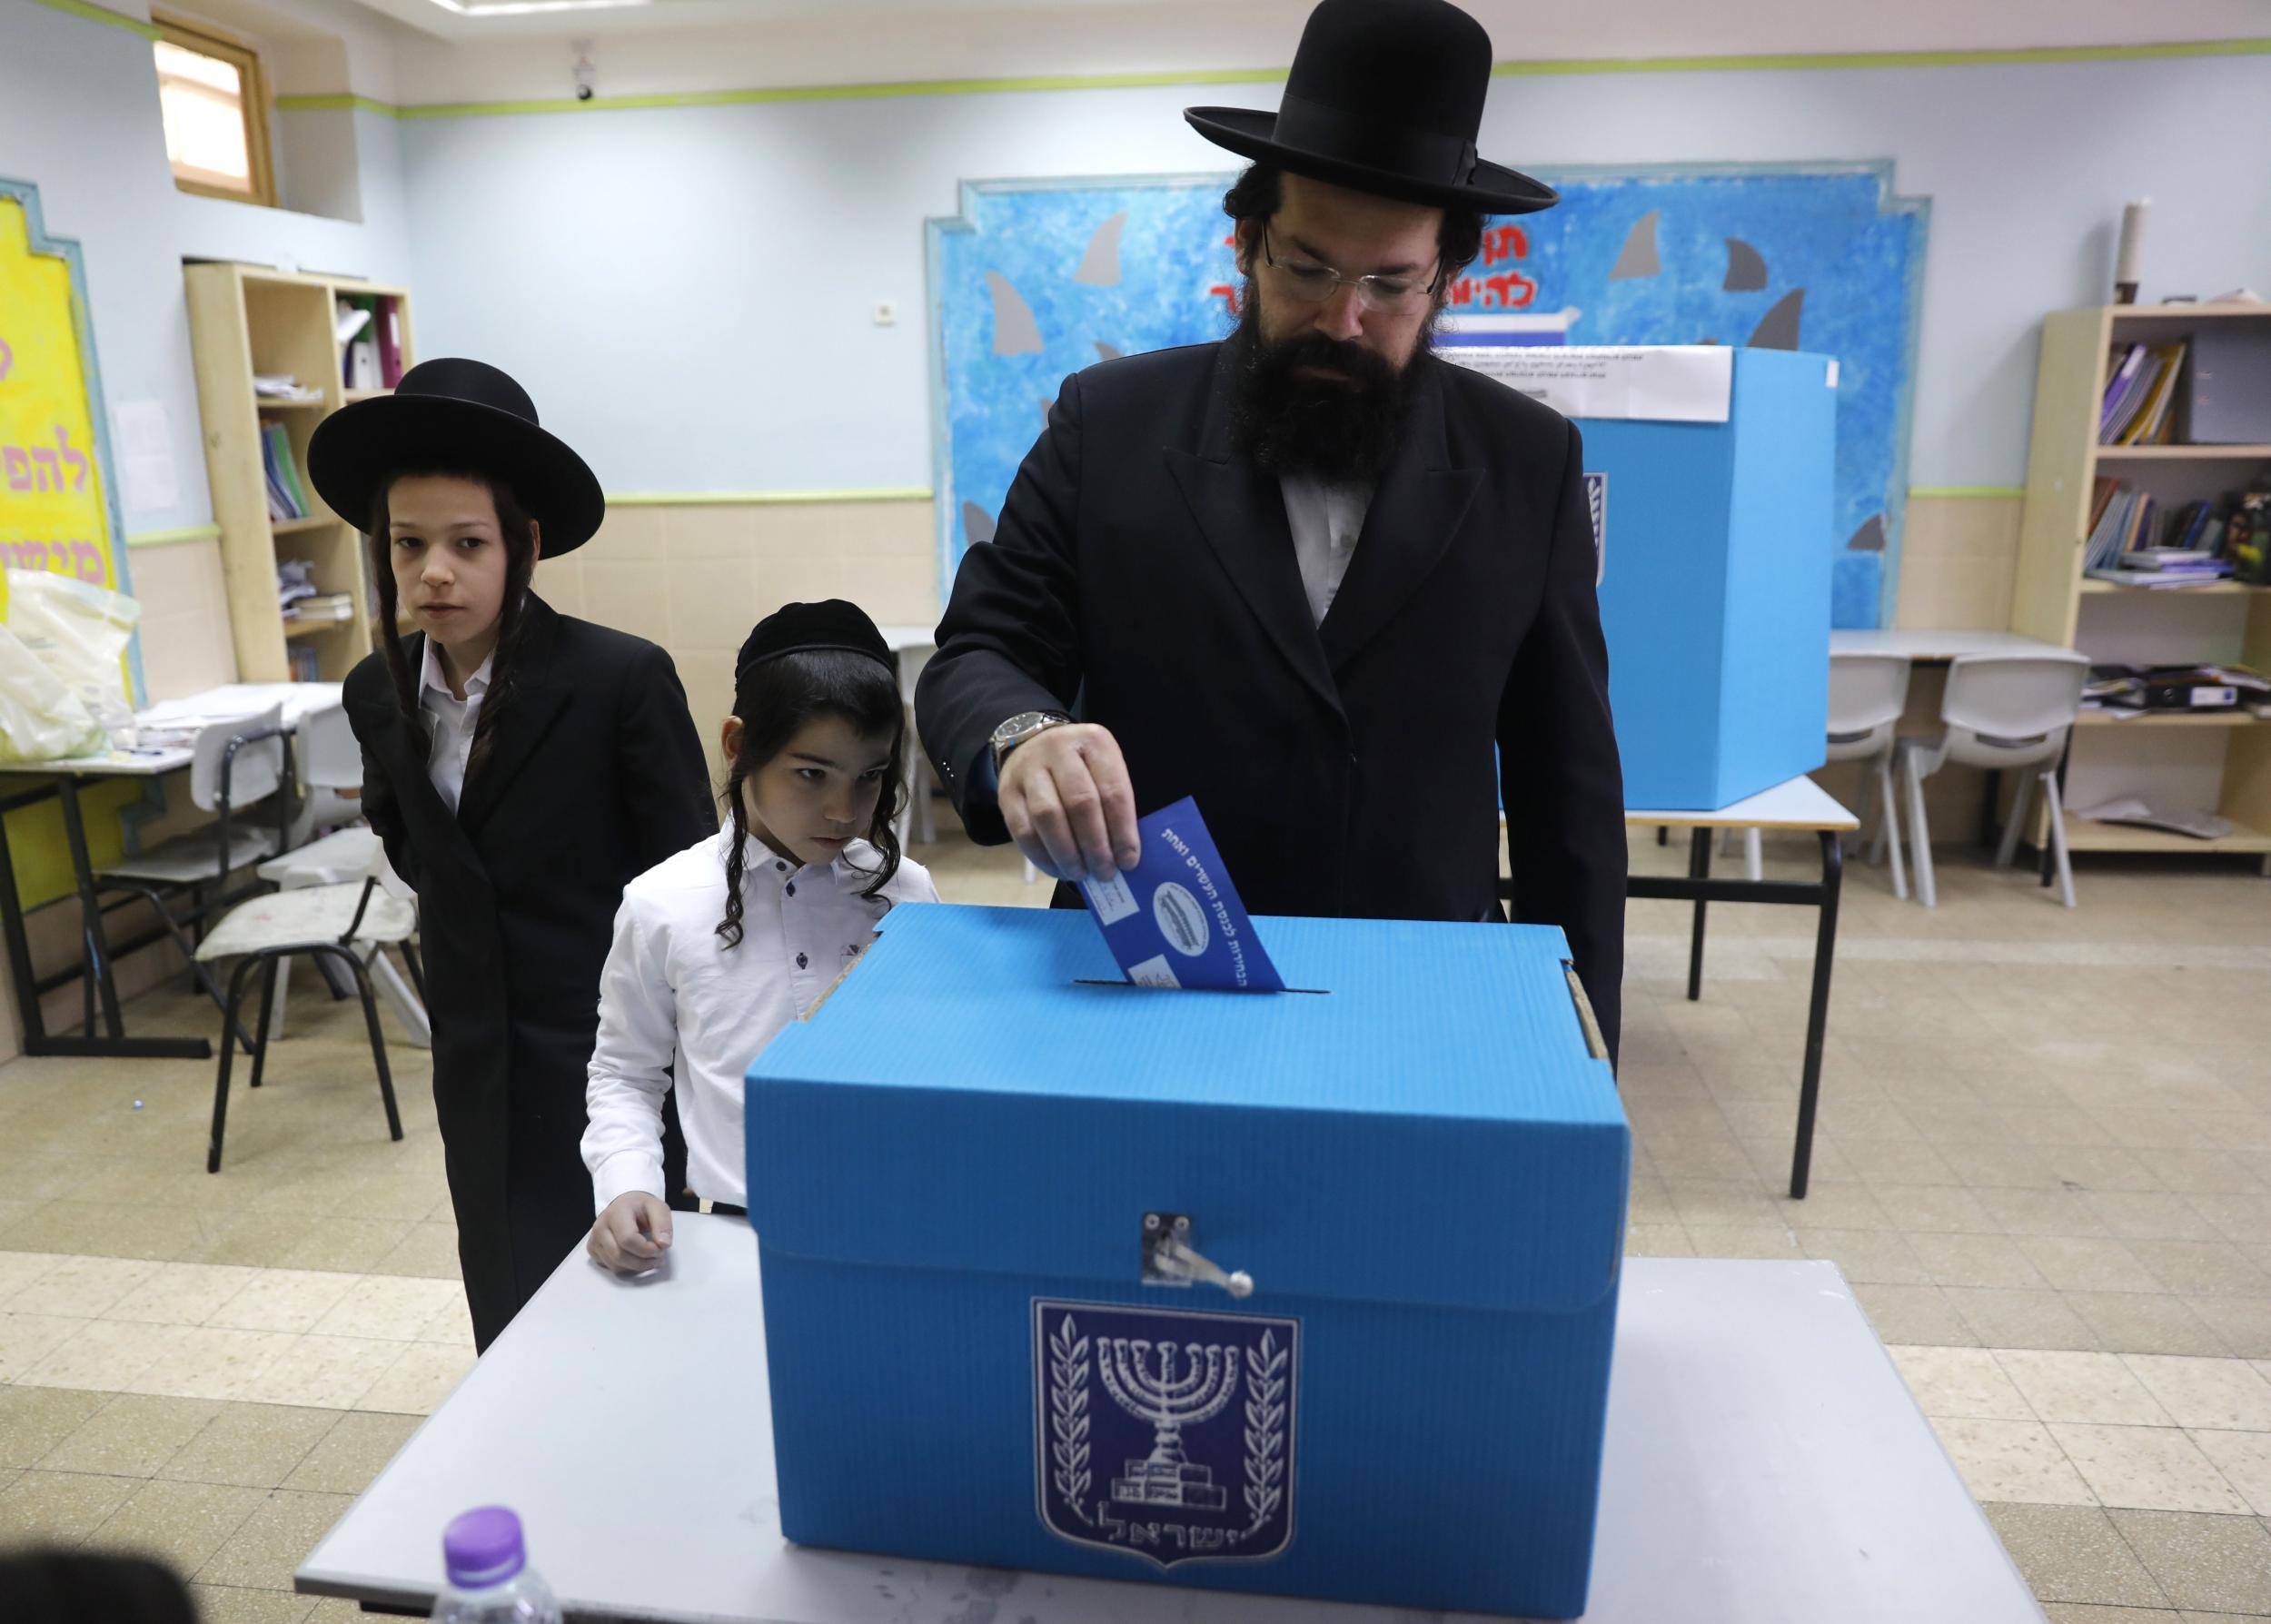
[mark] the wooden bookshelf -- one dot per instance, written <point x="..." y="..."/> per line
<point x="244" y="320"/>
<point x="2052" y="599"/>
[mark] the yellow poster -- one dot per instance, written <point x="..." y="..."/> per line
<point x="55" y="510"/>
<point x="55" y="506"/>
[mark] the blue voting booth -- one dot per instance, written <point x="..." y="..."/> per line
<point x="1309" y="1292"/>
<point x="1715" y="596"/>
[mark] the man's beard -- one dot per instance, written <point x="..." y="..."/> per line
<point x="1335" y="431"/>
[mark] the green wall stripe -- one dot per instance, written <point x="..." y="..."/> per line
<point x="195" y="532"/>
<point x="97" y="13"/>
<point x="728" y="498"/>
<point x="2033" y="56"/>
<point x="1946" y="492"/>
<point x="336" y="103"/>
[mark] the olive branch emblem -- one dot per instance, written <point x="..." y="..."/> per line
<point x="1068" y="1414"/>
<point x="1265" y="1430"/>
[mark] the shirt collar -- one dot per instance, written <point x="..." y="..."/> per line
<point x="431" y="678"/>
<point x="851" y="870"/>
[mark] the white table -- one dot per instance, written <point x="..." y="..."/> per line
<point x="1764" y="1465"/>
<point x="62" y="780"/>
<point x="1798" y="803"/>
<point x="1937" y="646"/>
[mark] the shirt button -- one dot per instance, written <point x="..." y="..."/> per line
<point x="782" y="867"/>
<point x="791" y="887"/>
<point x="800" y="961"/>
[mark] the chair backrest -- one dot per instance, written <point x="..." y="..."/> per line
<point x="329" y="757"/>
<point x="2015" y="701"/>
<point x="255" y="774"/>
<point x="1866" y="691"/>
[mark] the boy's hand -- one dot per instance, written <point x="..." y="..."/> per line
<point x="633" y="1234"/>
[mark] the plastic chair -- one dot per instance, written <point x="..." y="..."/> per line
<point x="343" y="923"/>
<point x="2007" y="712"/>
<point x="1867" y="693"/>
<point x="329" y="766"/>
<point x="236" y="764"/>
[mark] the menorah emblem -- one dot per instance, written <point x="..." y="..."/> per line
<point x="1214" y="1398"/>
<point x="1141" y="1379"/>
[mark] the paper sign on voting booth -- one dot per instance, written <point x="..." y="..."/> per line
<point x="1303" y="1292"/>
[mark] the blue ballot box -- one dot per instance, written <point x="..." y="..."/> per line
<point x="1308" y="1293"/>
<point x="1715" y="597"/>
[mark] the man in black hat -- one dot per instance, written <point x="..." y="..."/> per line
<point x="1311" y="575"/>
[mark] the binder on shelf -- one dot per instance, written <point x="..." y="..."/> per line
<point x="388" y="325"/>
<point x="2226" y="393"/>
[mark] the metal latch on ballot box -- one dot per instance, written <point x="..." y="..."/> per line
<point x="1168" y="1260"/>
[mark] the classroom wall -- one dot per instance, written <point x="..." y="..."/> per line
<point x="738" y="250"/>
<point x="79" y="118"/>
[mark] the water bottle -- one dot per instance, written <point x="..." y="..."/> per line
<point x="490" y="1581"/>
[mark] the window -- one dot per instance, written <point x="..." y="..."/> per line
<point x="216" y="113"/>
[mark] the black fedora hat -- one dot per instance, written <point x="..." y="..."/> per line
<point x="1384" y="96"/>
<point x="455" y="415"/>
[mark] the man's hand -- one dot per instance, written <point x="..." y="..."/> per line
<point x="633" y="1234"/>
<point x="1066" y="799"/>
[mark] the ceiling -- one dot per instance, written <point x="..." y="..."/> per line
<point x="1529" y="29"/>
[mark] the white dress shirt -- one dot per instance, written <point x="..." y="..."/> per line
<point x="1326" y="519"/>
<point x="454" y="720"/>
<point x="675" y="1000"/>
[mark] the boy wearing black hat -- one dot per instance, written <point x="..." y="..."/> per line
<point x="521" y="767"/>
<point x="1312" y="575"/>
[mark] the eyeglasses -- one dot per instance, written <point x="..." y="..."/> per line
<point x="1314" y="283"/>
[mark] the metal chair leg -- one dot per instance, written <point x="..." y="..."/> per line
<point x="268" y="969"/>
<point x="1921" y="837"/>
<point x="2058" y="837"/>
<point x="378" y="1041"/>
<point x="188" y="946"/>
<point x="417" y="971"/>
<point x="1888" y="826"/>
<point x="228" y="1054"/>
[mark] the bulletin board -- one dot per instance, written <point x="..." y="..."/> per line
<point x="1036" y="279"/>
<point x="59" y="502"/>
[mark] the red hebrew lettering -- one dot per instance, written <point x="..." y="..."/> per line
<point x="90" y="560"/>
<point x="1504" y="243"/>
<point x="19" y="467"/>
<point x="1510" y="289"/>
<point x="1226" y="294"/>
<point x="1462" y="291"/>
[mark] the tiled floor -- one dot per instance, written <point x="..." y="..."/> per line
<point x="2045" y="1163"/>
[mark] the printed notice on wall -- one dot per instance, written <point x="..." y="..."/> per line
<point x="1174" y="919"/>
<point x="1672" y="384"/>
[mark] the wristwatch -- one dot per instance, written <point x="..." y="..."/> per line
<point x="1020" y="727"/>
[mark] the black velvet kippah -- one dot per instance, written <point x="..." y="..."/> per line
<point x="804" y="628"/>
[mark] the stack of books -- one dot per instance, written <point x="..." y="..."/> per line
<point x="287" y="498"/>
<point x="2139" y="408"/>
<point x="2132" y="543"/>
<point x="320" y="608"/>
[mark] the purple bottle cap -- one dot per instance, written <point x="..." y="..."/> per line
<point x="482" y="1548"/>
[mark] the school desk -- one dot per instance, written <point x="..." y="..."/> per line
<point x="62" y="780"/>
<point x="1765" y="1465"/>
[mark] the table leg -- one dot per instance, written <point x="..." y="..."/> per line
<point x="1698" y="868"/>
<point x="90" y="909"/>
<point x="1818" y="1010"/>
<point x="20" y="950"/>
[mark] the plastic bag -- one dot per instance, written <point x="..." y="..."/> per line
<point x="40" y="719"/>
<point x="80" y="632"/>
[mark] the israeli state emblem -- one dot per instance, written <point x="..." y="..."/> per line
<point x="1166" y="1435"/>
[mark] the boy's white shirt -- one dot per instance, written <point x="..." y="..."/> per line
<point x="675" y="1002"/>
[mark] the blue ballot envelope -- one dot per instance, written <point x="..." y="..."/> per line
<point x="1310" y="1294"/>
<point x="1175" y="918"/>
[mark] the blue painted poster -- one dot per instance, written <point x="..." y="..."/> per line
<point x="1038" y="279"/>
